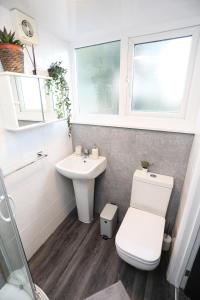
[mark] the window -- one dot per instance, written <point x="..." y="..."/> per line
<point x="98" y="69"/>
<point x="145" y="82"/>
<point x="159" y="75"/>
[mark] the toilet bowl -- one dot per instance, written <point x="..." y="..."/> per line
<point x="140" y="236"/>
<point x="139" y="239"/>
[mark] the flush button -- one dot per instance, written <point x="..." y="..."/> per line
<point x="153" y="175"/>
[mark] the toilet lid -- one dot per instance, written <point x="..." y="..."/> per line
<point x="141" y="235"/>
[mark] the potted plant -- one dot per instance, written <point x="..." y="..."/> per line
<point x="145" y="165"/>
<point x="11" y="52"/>
<point x="58" y="86"/>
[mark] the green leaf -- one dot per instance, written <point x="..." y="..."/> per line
<point x="59" y="87"/>
<point x="9" y="37"/>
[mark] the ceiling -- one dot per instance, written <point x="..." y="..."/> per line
<point x="77" y="19"/>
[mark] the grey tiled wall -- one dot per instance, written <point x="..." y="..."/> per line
<point x="124" y="149"/>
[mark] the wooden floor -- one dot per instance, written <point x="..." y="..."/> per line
<point x="182" y="296"/>
<point x="76" y="262"/>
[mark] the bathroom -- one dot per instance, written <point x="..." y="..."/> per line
<point x="114" y="163"/>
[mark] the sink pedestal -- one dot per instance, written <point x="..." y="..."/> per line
<point x="84" y="193"/>
<point x="83" y="171"/>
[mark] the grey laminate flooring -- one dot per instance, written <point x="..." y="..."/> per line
<point x="182" y="296"/>
<point x="76" y="262"/>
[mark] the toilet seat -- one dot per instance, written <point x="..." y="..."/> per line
<point x="139" y="239"/>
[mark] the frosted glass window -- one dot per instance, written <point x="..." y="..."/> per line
<point x="159" y="75"/>
<point x="98" y="69"/>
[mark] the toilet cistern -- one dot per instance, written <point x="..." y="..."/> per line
<point x="83" y="170"/>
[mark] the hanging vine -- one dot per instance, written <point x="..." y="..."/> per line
<point x="59" y="88"/>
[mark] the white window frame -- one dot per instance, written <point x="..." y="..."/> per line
<point x="90" y="115"/>
<point x="185" y="121"/>
<point x="155" y="38"/>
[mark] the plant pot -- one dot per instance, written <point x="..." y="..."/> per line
<point x="12" y="58"/>
<point x="50" y="72"/>
<point x="144" y="170"/>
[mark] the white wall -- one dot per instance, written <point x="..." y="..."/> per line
<point x="188" y="220"/>
<point x="48" y="50"/>
<point x="43" y="198"/>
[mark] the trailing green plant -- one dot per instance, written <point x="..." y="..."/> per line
<point x="9" y="38"/>
<point x="59" y="88"/>
<point x="145" y="164"/>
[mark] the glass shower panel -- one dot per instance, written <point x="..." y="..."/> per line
<point x="15" y="278"/>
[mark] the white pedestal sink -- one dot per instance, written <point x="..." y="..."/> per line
<point x="83" y="172"/>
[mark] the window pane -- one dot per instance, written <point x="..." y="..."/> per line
<point x="98" y="70"/>
<point x="159" y="75"/>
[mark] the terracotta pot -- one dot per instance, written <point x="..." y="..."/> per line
<point x="12" y="57"/>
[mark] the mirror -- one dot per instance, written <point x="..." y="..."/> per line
<point x="27" y="100"/>
<point x="48" y="102"/>
<point x="24" y="101"/>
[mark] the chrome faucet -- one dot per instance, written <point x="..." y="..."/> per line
<point x="86" y="153"/>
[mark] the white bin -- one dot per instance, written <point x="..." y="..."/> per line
<point x="108" y="220"/>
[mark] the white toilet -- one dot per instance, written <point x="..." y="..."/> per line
<point x="140" y="236"/>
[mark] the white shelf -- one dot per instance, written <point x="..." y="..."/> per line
<point x="28" y="127"/>
<point x="24" y="75"/>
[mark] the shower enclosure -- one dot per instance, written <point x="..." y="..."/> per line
<point x="15" y="278"/>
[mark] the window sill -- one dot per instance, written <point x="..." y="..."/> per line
<point x="157" y="124"/>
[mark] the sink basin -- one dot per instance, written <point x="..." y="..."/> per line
<point x="83" y="172"/>
<point x="78" y="167"/>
